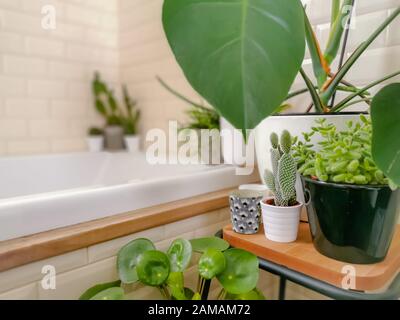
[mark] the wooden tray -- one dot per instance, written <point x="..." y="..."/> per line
<point x="301" y="256"/>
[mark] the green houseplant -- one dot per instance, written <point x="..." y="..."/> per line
<point x="95" y="139"/>
<point x="139" y="262"/>
<point x="281" y="214"/>
<point x="201" y="119"/>
<point x="238" y="45"/>
<point x="351" y="207"/>
<point x="130" y="122"/>
<point x="107" y="106"/>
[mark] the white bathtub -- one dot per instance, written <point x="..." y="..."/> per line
<point x="41" y="193"/>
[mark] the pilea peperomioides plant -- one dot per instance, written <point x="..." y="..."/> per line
<point x="139" y="262"/>
<point x="282" y="180"/>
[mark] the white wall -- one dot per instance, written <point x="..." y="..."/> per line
<point x="45" y="97"/>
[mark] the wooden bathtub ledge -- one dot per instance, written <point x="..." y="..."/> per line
<point x="17" y="252"/>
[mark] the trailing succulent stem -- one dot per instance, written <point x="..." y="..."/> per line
<point x="282" y="180"/>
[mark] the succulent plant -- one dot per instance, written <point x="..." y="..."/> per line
<point x="282" y="180"/>
<point x="95" y="131"/>
<point x="340" y="157"/>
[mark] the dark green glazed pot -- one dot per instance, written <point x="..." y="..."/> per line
<point x="351" y="223"/>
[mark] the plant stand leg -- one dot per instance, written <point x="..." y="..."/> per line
<point x="282" y="288"/>
<point x="206" y="290"/>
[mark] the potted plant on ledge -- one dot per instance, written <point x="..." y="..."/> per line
<point x="208" y="150"/>
<point x="352" y="210"/>
<point x="107" y="106"/>
<point x="281" y="214"/>
<point x="95" y="139"/>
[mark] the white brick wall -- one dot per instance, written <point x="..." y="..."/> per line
<point x="45" y="75"/>
<point x="45" y="94"/>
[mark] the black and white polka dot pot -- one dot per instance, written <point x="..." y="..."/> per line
<point x="245" y="211"/>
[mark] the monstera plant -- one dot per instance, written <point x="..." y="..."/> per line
<point x="242" y="56"/>
<point x="236" y="270"/>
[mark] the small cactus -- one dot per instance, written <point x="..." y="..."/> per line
<point x="282" y="180"/>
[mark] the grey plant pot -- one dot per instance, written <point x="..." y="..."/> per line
<point x="114" y="138"/>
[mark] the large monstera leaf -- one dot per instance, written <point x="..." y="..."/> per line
<point x="242" y="56"/>
<point x="385" y="115"/>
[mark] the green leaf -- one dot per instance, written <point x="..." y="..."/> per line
<point x="175" y="283"/>
<point x="179" y="254"/>
<point x="342" y="104"/>
<point x="128" y="258"/>
<point x="335" y="10"/>
<point x="313" y="92"/>
<point x="241" y="273"/>
<point x="196" y="297"/>
<point x="320" y="66"/>
<point x="211" y="263"/>
<point x="337" y="30"/>
<point x="91" y="292"/>
<point x="202" y="244"/>
<point x="327" y="94"/>
<point x="242" y="56"/>
<point x="112" y="102"/>
<point x="385" y="116"/>
<point x="101" y="108"/>
<point x="153" y="268"/>
<point x="252" y="295"/>
<point x="110" y="294"/>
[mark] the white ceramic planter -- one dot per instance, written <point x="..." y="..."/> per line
<point x="296" y="125"/>
<point x="95" y="143"/>
<point x="281" y="224"/>
<point x="132" y="143"/>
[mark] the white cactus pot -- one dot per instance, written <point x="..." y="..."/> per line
<point x="95" y="143"/>
<point x="132" y="143"/>
<point x="281" y="224"/>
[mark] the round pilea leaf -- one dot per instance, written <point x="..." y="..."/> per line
<point x="241" y="273"/>
<point x="110" y="294"/>
<point x="202" y="244"/>
<point x="91" y="292"/>
<point x="128" y="258"/>
<point x="211" y="263"/>
<point x="196" y="297"/>
<point x="251" y="295"/>
<point x="153" y="268"/>
<point x="179" y="254"/>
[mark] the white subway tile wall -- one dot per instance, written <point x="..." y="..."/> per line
<point x="45" y="94"/>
